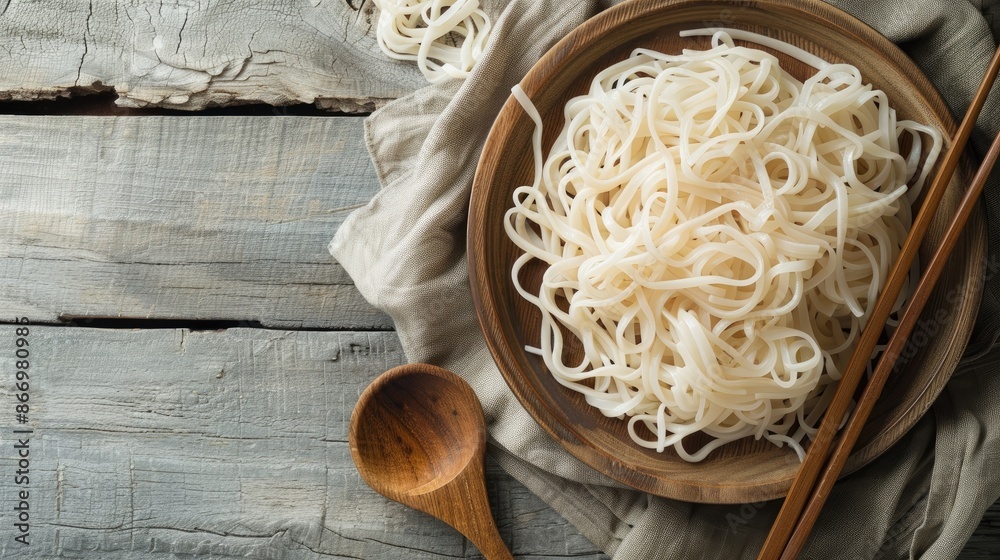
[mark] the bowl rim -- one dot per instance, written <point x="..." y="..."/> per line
<point x="566" y="49"/>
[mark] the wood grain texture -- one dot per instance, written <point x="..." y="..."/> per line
<point x="747" y="470"/>
<point x="191" y="54"/>
<point x="193" y="218"/>
<point x="156" y="444"/>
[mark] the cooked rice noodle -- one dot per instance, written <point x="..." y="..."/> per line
<point x="713" y="235"/>
<point x="444" y="37"/>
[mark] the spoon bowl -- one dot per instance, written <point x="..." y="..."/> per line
<point x="418" y="436"/>
<point x="401" y="424"/>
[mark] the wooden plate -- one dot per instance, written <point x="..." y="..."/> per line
<point x="746" y="470"/>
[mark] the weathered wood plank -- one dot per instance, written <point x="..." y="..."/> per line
<point x="191" y="54"/>
<point x="194" y="218"/>
<point x="152" y="444"/>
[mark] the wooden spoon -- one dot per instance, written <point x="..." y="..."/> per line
<point x="418" y="437"/>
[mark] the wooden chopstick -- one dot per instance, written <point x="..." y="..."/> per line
<point x="820" y="447"/>
<point x="897" y="342"/>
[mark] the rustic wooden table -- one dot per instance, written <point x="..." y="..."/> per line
<point x="195" y="353"/>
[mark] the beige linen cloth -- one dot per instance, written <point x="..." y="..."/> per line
<point x="406" y="252"/>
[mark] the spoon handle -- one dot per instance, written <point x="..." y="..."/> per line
<point x="489" y="543"/>
<point x="472" y="516"/>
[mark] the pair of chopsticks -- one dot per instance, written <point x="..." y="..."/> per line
<point x="806" y="497"/>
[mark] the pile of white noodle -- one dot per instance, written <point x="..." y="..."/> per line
<point x="714" y="233"/>
<point x="444" y="37"/>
